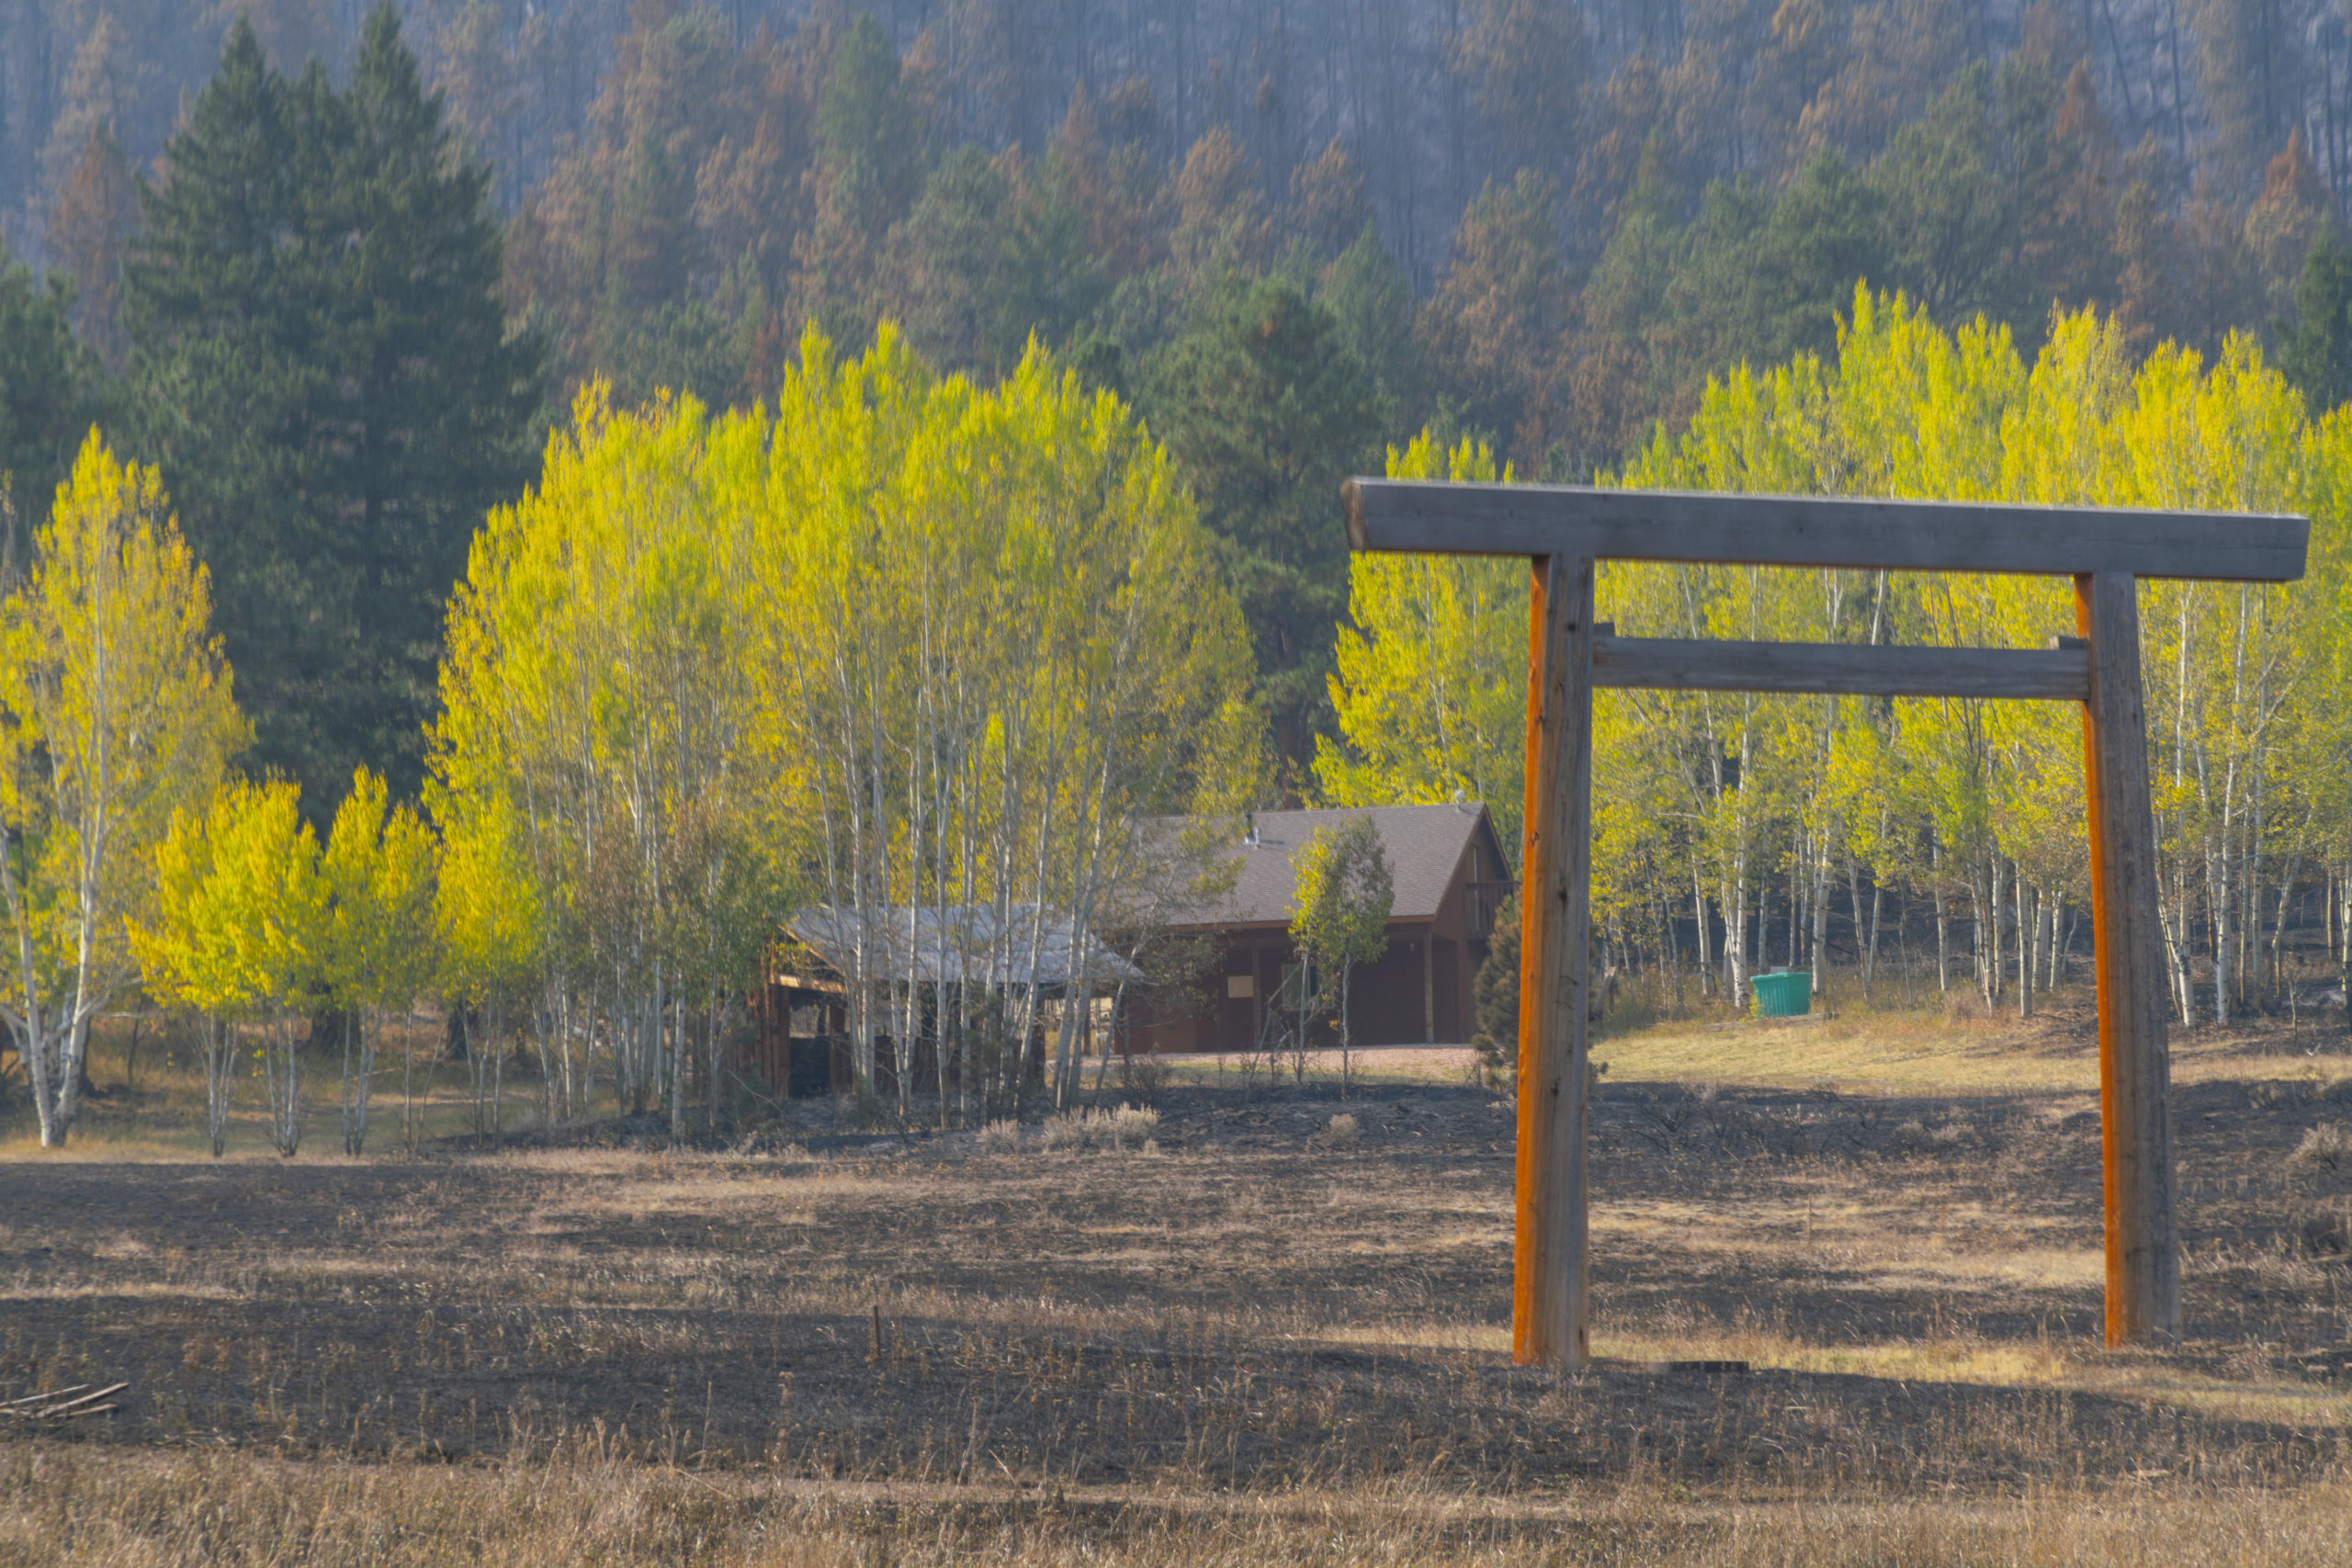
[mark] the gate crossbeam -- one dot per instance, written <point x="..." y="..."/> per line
<point x="1565" y="530"/>
<point x="2061" y="672"/>
<point x="1861" y="532"/>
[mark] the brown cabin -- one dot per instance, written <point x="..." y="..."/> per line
<point x="1449" y="875"/>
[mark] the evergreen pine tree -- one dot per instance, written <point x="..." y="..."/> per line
<point x="1950" y="211"/>
<point x="50" y="389"/>
<point x="323" y="366"/>
<point x="869" y="171"/>
<point x="1497" y="328"/>
<point x="1371" y="304"/>
<point x="1052" y="283"/>
<point x="1826" y="233"/>
<point x="1264" y="412"/>
<point x="1494" y="995"/>
<point x="948" y="273"/>
<point x="2316" y="352"/>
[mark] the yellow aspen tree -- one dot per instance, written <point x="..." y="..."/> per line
<point x="185" y="960"/>
<point x="1754" y="433"/>
<point x="1342" y="902"/>
<point x="842" y="661"/>
<point x="117" y="711"/>
<point x="268" y="903"/>
<point x="487" y="930"/>
<point x="1142" y="650"/>
<point x="237" y="932"/>
<point x="2228" y="663"/>
<point x="2327" y="724"/>
<point x="595" y="697"/>
<point x="1001" y="650"/>
<point x="380" y="938"/>
<point x="1430" y="686"/>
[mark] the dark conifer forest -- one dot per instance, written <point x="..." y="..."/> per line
<point x="336" y="271"/>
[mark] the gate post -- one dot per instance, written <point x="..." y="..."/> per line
<point x="1551" y="1310"/>
<point x="2142" y="1242"/>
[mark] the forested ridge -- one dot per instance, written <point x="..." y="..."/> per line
<point x="1287" y="234"/>
<point x="706" y="459"/>
<point x="1595" y="203"/>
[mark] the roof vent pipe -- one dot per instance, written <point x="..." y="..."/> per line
<point x="1249" y="828"/>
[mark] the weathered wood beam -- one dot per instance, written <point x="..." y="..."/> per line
<point x="1819" y="531"/>
<point x="2134" y="1060"/>
<point x="1550" y="1295"/>
<point x="1675" y="664"/>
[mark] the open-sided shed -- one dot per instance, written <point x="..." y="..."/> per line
<point x="800" y="1045"/>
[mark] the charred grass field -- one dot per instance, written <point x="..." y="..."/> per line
<point x="1265" y="1338"/>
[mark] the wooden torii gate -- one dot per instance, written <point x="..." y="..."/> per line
<point x="1564" y="530"/>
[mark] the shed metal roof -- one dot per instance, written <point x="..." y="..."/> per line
<point x="966" y="947"/>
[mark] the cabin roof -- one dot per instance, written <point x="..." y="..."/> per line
<point x="1424" y="845"/>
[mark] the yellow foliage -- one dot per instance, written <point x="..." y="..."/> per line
<point x="114" y="710"/>
<point x="899" y="642"/>
<point x="1725" y="797"/>
<point x="239" y="928"/>
<point x="380" y="872"/>
<point x="1431" y="689"/>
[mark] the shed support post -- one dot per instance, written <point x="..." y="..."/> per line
<point x="1551" y="1312"/>
<point x="1428" y="983"/>
<point x="2142" y="1244"/>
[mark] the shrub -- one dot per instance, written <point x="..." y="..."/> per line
<point x="1144" y="1075"/>
<point x="2278" y="1094"/>
<point x="1340" y="1131"/>
<point x="2328" y="1147"/>
<point x="1128" y="1127"/>
<point x="1001" y="1136"/>
<point x="2322" y="1232"/>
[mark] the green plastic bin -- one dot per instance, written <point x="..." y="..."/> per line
<point x="1783" y="993"/>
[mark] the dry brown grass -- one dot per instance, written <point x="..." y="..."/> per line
<point x="1266" y="1343"/>
<point x="152" y="1108"/>
<point x="582" y="1509"/>
<point x="1969" y="1048"/>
